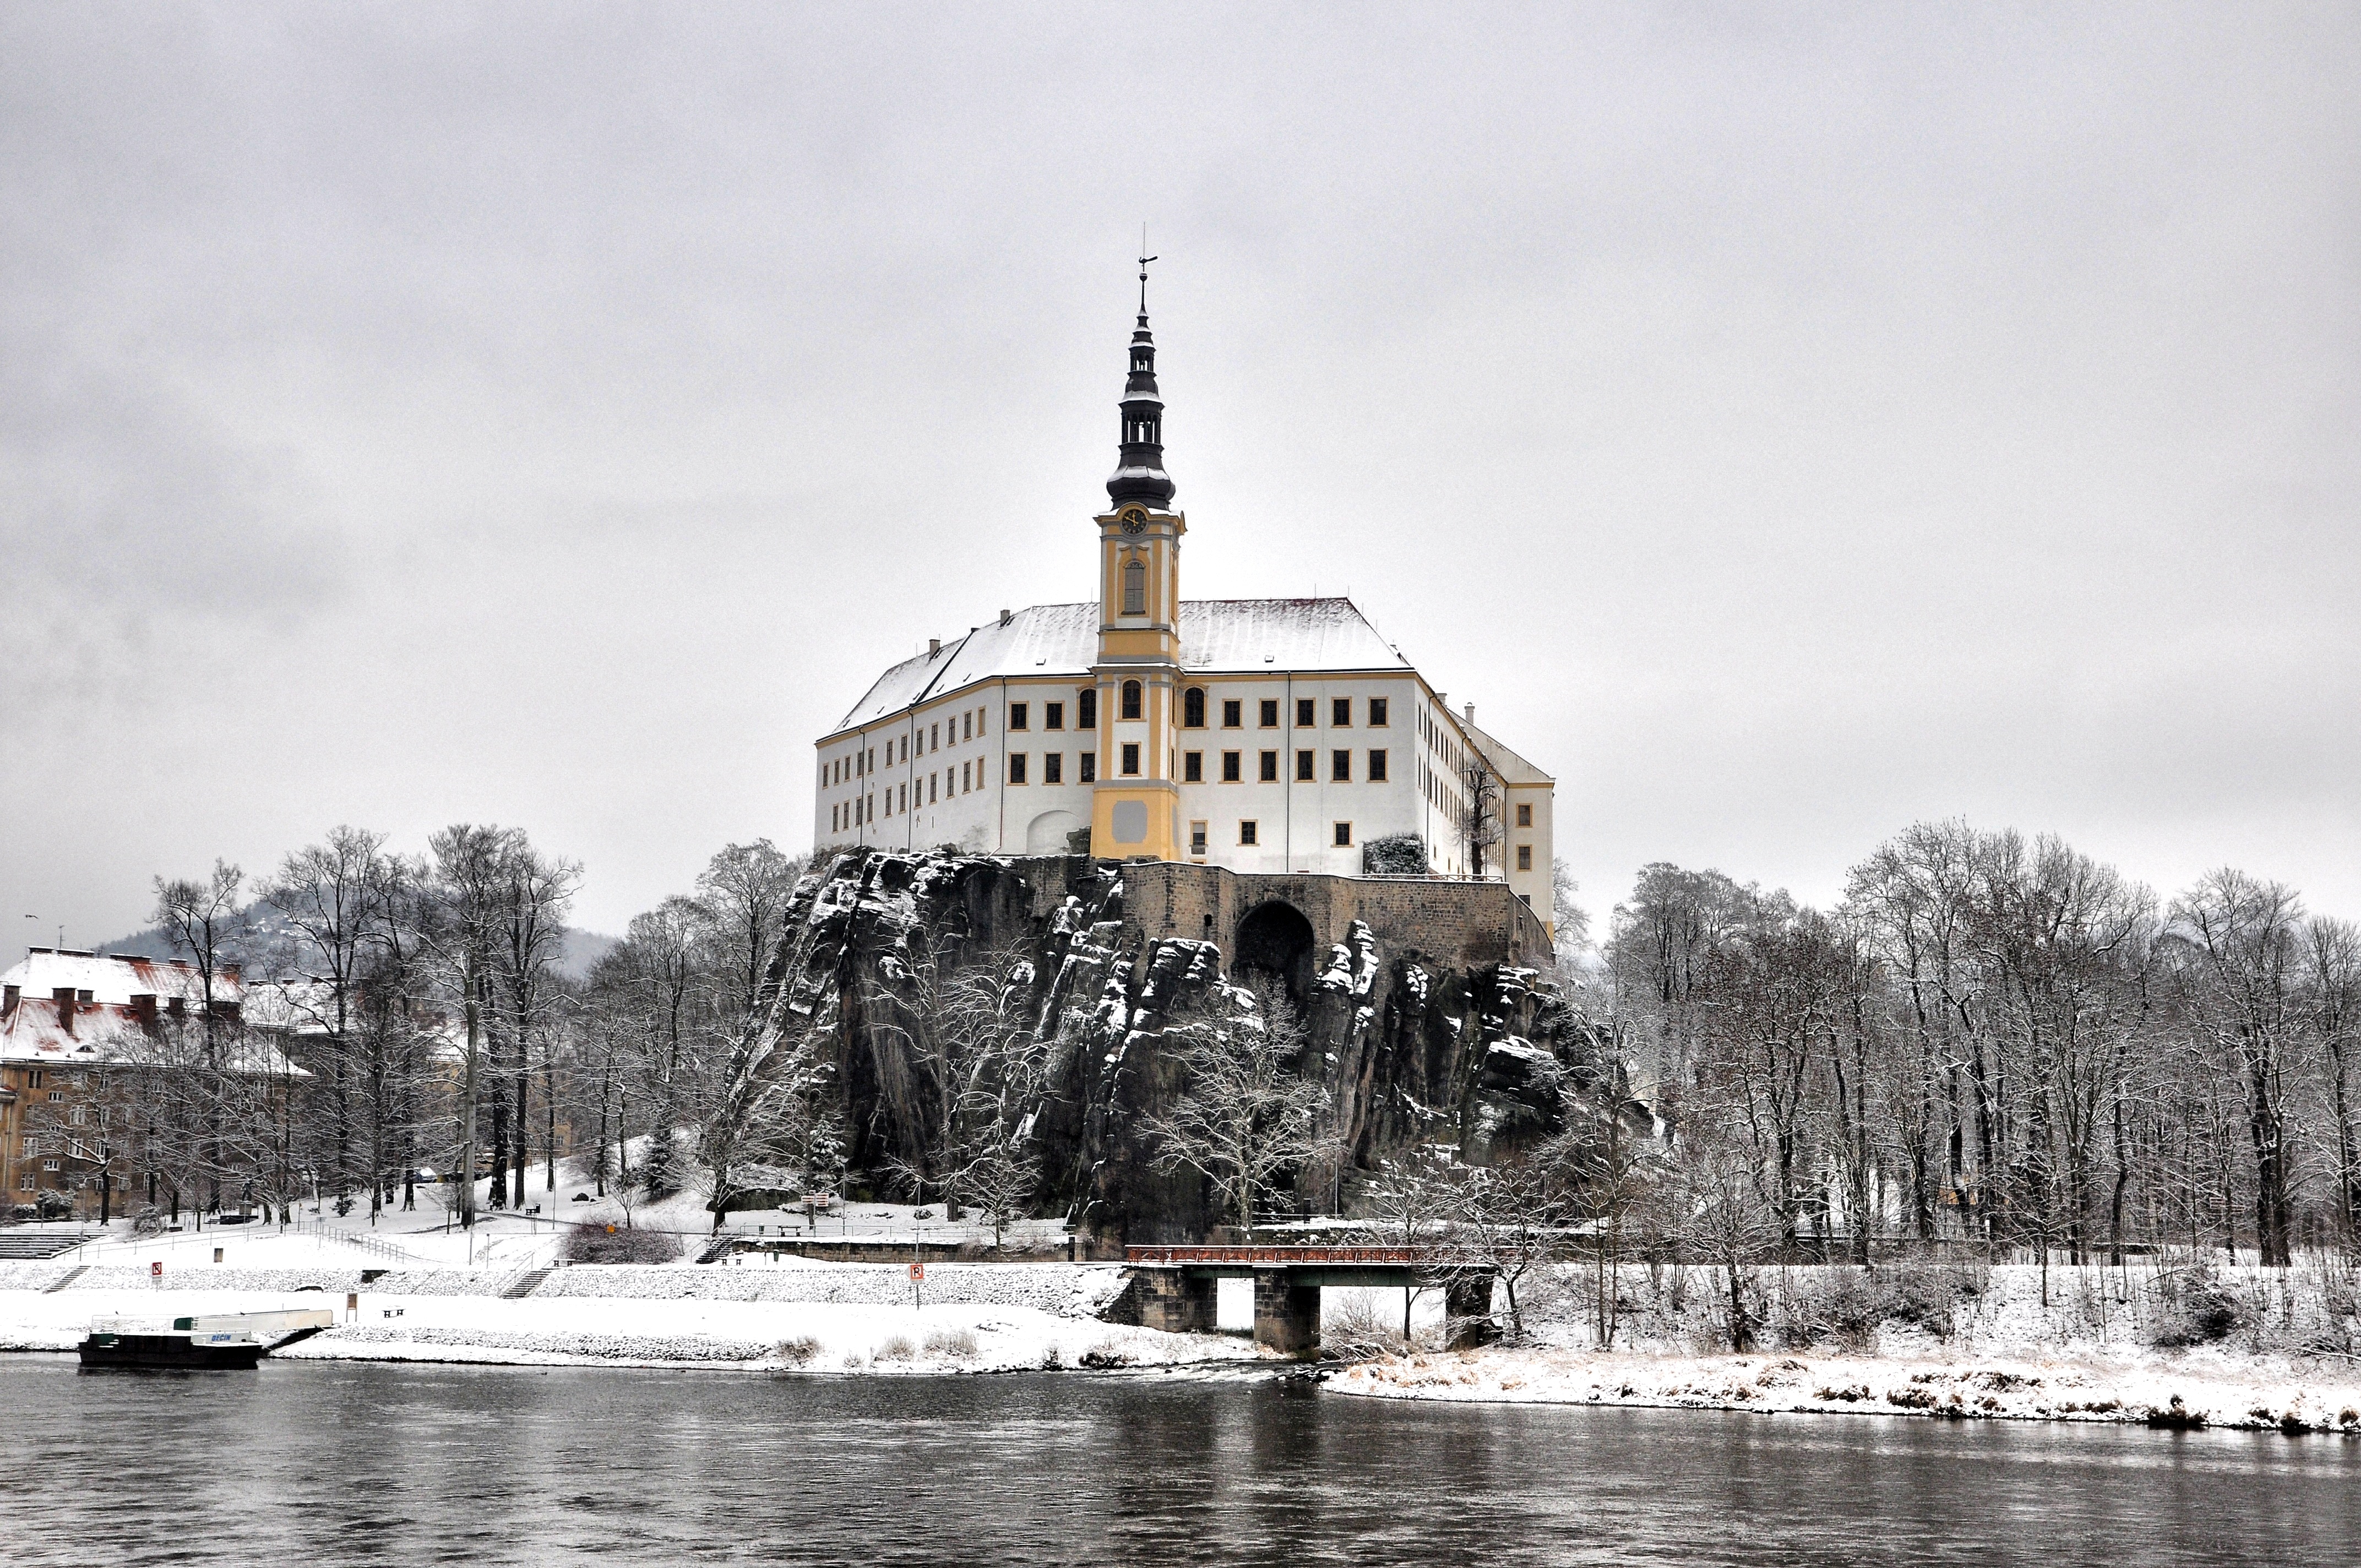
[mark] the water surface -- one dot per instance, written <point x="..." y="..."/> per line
<point x="333" y="1463"/>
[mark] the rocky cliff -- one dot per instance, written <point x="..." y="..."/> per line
<point x="1486" y="1058"/>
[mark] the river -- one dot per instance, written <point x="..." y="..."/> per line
<point x="331" y="1463"/>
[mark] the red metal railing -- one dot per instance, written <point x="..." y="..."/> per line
<point x="1277" y="1254"/>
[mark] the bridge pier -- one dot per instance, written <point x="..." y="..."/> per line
<point x="1286" y="1314"/>
<point x="1467" y="1311"/>
<point x="1177" y="1301"/>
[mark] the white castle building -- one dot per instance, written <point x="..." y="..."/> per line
<point x="1262" y="735"/>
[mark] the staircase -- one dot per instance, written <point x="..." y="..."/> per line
<point x="32" y="1246"/>
<point x="525" y="1282"/>
<point x="71" y="1276"/>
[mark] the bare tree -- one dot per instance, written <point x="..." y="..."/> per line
<point x="1244" y="1119"/>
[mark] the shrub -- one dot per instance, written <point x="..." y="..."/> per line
<point x="1396" y="854"/>
<point x="596" y="1243"/>
<point x="53" y="1205"/>
<point x="897" y="1348"/>
<point x="797" y="1351"/>
<point x="957" y="1344"/>
<point x="1105" y="1356"/>
<point x="2206" y="1310"/>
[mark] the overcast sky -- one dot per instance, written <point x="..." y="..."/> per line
<point x="1783" y="422"/>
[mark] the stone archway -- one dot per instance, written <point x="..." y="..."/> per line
<point x="1275" y="943"/>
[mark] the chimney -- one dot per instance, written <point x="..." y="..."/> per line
<point x="1471" y="713"/>
<point x="178" y="1007"/>
<point x="934" y="646"/>
<point x="64" y="997"/>
<point x="1005" y="618"/>
<point x="143" y="1006"/>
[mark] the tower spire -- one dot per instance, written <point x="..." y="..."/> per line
<point x="1139" y="473"/>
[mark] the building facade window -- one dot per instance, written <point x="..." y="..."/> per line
<point x="1340" y="712"/>
<point x="1086" y="767"/>
<point x="1232" y="714"/>
<point x="1379" y="708"/>
<point x="1054" y="767"/>
<point x="1344" y="835"/>
<point x="1307" y="712"/>
<point x="1131" y="759"/>
<point x="1086" y="709"/>
<point x="1192" y="708"/>
<point x="1053" y="715"/>
<point x="1377" y="767"/>
<point x="1131" y="699"/>
<point x="1524" y="856"/>
<point x="1192" y="767"/>
<point x="1340" y="767"/>
<point x="1524" y="816"/>
<point x="1247" y="832"/>
<point x="1270" y="713"/>
<point x="1135" y="589"/>
<point x="1230" y="774"/>
<point x="1303" y="773"/>
<point x="1270" y="767"/>
<point x="1015" y="767"/>
<point x="963" y="784"/>
<point x="1019" y="718"/>
<point x="1196" y="838"/>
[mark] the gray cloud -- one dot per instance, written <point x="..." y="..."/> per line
<point x="1783" y="422"/>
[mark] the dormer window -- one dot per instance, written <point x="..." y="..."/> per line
<point x="1135" y="589"/>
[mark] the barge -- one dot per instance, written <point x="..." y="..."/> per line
<point x="230" y="1342"/>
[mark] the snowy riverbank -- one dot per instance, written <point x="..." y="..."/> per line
<point x="2197" y="1389"/>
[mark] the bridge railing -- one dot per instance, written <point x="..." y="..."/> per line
<point x="1278" y="1255"/>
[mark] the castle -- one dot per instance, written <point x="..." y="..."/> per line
<point x="1262" y="735"/>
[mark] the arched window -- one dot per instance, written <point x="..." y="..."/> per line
<point x="1135" y="589"/>
<point x="1131" y="699"/>
<point x="1086" y="709"/>
<point x="1192" y="708"/>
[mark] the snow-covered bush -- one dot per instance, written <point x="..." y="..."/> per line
<point x="797" y="1351"/>
<point x="957" y="1343"/>
<point x="2202" y="1308"/>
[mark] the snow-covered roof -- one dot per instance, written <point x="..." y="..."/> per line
<point x="1217" y="636"/>
<point x="115" y="978"/>
<point x="1512" y="768"/>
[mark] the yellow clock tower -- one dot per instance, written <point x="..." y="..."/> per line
<point x="1135" y="808"/>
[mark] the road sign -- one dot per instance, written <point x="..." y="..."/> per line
<point x="155" y="1271"/>
<point x="917" y="1272"/>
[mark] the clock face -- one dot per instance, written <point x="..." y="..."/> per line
<point x="1135" y="523"/>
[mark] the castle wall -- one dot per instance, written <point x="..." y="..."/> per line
<point x="1461" y="924"/>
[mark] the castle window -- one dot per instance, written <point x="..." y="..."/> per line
<point x="1053" y="715"/>
<point x="1130" y="758"/>
<point x="1307" y="713"/>
<point x="1230" y="772"/>
<point x="1378" y="713"/>
<point x="903" y="794"/>
<point x="1377" y="767"/>
<point x="930" y="787"/>
<point x="1524" y="856"/>
<point x="1304" y="766"/>
<point x="1131" y="699"/>
<point x="1340" y="711"/>
<point x="1197" y="839"/>
<point x="1270" y="713"/>
<point x="978" y="721"/>
<point x="1086" y="709"/>
<point x="1135" y="589"/>
<point x="1018" y="718"/>
<point x="1340" y="766"/>
<point x="1015" y="767"/>
<point x="1232" y="711"/>
<point x="1192" y="708"/>
<point x="1247" y="832"/>
<point x="1054" y="767"/>
<point x="1192" y="767"/>
<point x="1271" y="767"/>
<point x="1086" y="767"/>
<point x="1524" y="816"/>
<point x="967" y="726"/>
<point x="963" y="784"/>
<point x="1344" y="835"/>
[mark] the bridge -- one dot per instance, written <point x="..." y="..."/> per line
<point x="1177" y="1285"/>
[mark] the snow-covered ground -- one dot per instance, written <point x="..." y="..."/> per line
<point x="2208" y="1389"/>
<point x="807" y="1317"/>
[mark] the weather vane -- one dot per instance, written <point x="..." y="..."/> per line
<point x="1143" y="259"/>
